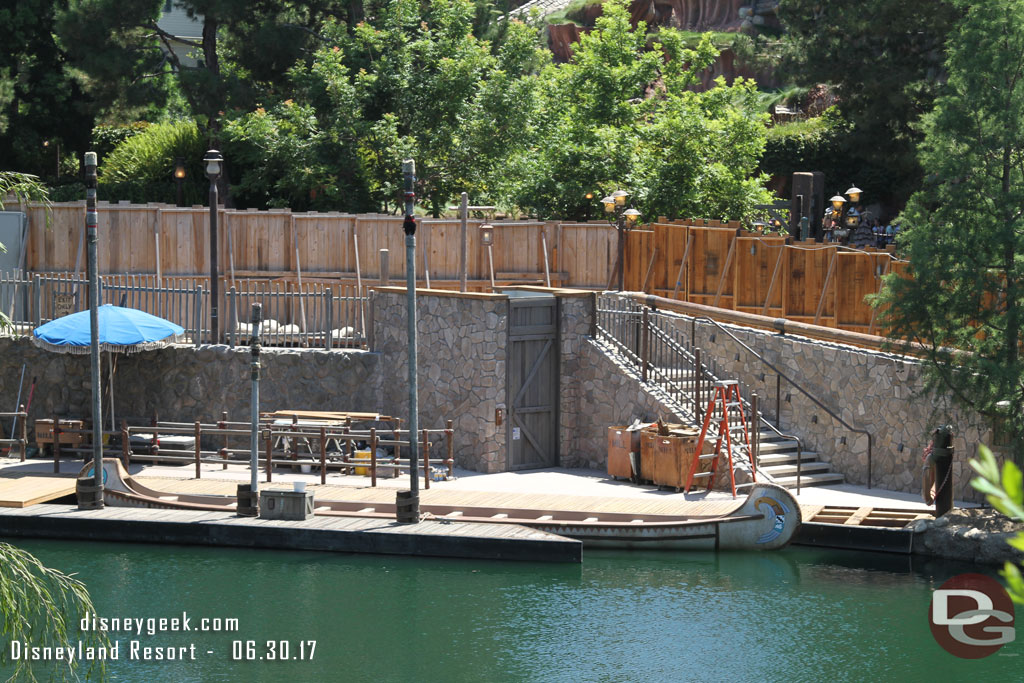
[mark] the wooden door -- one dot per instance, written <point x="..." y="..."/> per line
<point x="532" y="384"/>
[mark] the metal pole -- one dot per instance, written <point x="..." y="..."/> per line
<point x="254" y="444"/>
<point x="412" y="512"/>
<point x="214" y="288"/>
<point x="463" y="241"/>
<point x="91" y="221"/>
<point x="942" y="457"/>
<point x="620" y="225"/>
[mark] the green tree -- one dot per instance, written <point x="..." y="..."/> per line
<point x="964" y="231"/>
<point x="41" y="101"/>
<point x="885" y="59"/>
<point x="622" y="116"/>
<point x="1004" y="490"/>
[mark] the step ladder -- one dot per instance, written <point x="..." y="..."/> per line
<point x="732" y="434"/>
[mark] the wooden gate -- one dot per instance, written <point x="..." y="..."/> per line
<point x="533" y="387"/>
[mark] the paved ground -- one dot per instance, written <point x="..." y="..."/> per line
<point x="575" y="482"/>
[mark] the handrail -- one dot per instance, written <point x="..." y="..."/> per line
<point x="791" y="381"/>
<point x="755" y="460"/>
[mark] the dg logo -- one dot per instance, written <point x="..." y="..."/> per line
<point x="971" y="616"/>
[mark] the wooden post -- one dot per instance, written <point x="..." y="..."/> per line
<point x="544" y="248"/>
<point x="824" y="289"/>
<point x="426" y="460"/>
<point x="682" y="265"/>
<point x="224" y="448"/>
<point x="725" y="270"/>
<point x="874" y="311"/>
<point x="490" y="263"/>
<point x="269" y="441"/>
<point x="23" y="431"/>
<point x="464" y="241"/>
<point x="650" y="269"/>
<point x="294" y="445"/>
<point x="199" y="474"/>
<point x="346" y="450"/>
<point x="323" y="455"/>
<point x="385" y="274"/>
<point x="449" y="433"/>
<point x="126" y="447"/>
<point x="775" y="277"/>
<point x="359" y="285"/>
<point x="56" y="444"/>
<point x="373" y="456"/>
<point x="154" y="442"/>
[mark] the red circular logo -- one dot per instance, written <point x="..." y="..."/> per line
<point x="971" y="616"/>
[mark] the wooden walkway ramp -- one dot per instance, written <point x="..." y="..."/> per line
<point x="22" y="489"/>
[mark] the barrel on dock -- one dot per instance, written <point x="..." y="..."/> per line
<point x="90" y="496"/>
<point x="405" y="505"/>
<point x="248" y="501"/>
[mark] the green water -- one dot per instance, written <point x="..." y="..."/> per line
<point x="795" y="615"/>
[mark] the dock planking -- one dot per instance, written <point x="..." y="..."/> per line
<point x="465" y="540"/>
<point x="23" y="489"/>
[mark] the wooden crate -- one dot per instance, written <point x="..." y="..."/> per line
<point x="622" y="442"/>
<point x="667" y="459"/>
<point x="44" y="432"/>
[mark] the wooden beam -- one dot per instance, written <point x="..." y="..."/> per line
<point x="650" y="267"/>
<point x="775" y="276"/>
<point x="824" y="288"/>
<point x="682" y="264"/>
<point x="725" y="270"/>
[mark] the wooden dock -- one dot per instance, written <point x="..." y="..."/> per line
<point x="465" y="540"/>
<point x="23" y="489"/>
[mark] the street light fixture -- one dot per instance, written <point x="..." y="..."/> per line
<point x="179" y="179"/>
<point x="623" y="220"/>
<point x="213" y="161"/>
<point x="854" y="194"/>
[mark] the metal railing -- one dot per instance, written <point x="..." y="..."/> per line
<point x="314" y="315"/>
<point x="662" y="353"/>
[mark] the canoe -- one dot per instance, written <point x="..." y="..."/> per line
<point x="766" y="520"/>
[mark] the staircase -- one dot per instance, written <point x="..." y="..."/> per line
<point x="668" y="364"/>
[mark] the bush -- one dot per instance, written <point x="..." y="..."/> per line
<point x="105" y="138"/>
<point x="815" y="144"/>
<point x="141" y="168"/>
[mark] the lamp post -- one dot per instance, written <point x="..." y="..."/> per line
<point x="407" y="503"/>
<point x="179" y="179"/>
<point x="91" y="221"/>
<point x="837" y="213"/>
<point x="623" y="220"/>
<point x="213" y="161"/>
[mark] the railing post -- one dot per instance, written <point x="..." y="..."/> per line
<point x="222" y="425"/>
<point x="37" y="295"/>
<point x="595" y="301"/>
<point x="755" y="451"/>
<point x="778" y="401"/>
<point x="329" y="315"/>
<point x="697" y="398"/>
<point x="269" y="444"/>
<point x="197" y="314"/>
<point x="426" y="460"/>
<point x="233" y="312"/>
<point x="323" y="455"/>
<point x="373" y="456"/>
<point x="56" y="444"/>
<point x="450" y="438"/>
<point x="199" y="474"/>
<point x="645" y="344"/>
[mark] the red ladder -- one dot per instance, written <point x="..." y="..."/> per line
<point x="726" y="401"/>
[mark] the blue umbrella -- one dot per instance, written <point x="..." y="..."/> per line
<point x="125" y="330"/>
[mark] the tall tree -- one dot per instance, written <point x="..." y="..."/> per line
<point x="40" y="99"/>
<point x="885" y="60"/>
<point x="964" y="231"/>
<point x="243" y="54"/>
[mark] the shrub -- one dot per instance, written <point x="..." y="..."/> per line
<point x="141" y="168"/>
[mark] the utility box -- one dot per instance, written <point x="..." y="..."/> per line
<point x="288" y="505"/>
<point x="667" y="459"/>
<point x="44" y="432"/>
<point x="624" y="452"/>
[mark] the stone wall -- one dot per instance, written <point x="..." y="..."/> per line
<point x="461" y="367"/>
<point x="870" y="390"/>
<point x="185" y="383"/>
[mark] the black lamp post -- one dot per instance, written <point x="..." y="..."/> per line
<point x="179" y="179"/>
<point x="623" y="219"/>
<point x="213" y="161"/>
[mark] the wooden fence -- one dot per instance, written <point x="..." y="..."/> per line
<point x="701" y="261"/>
